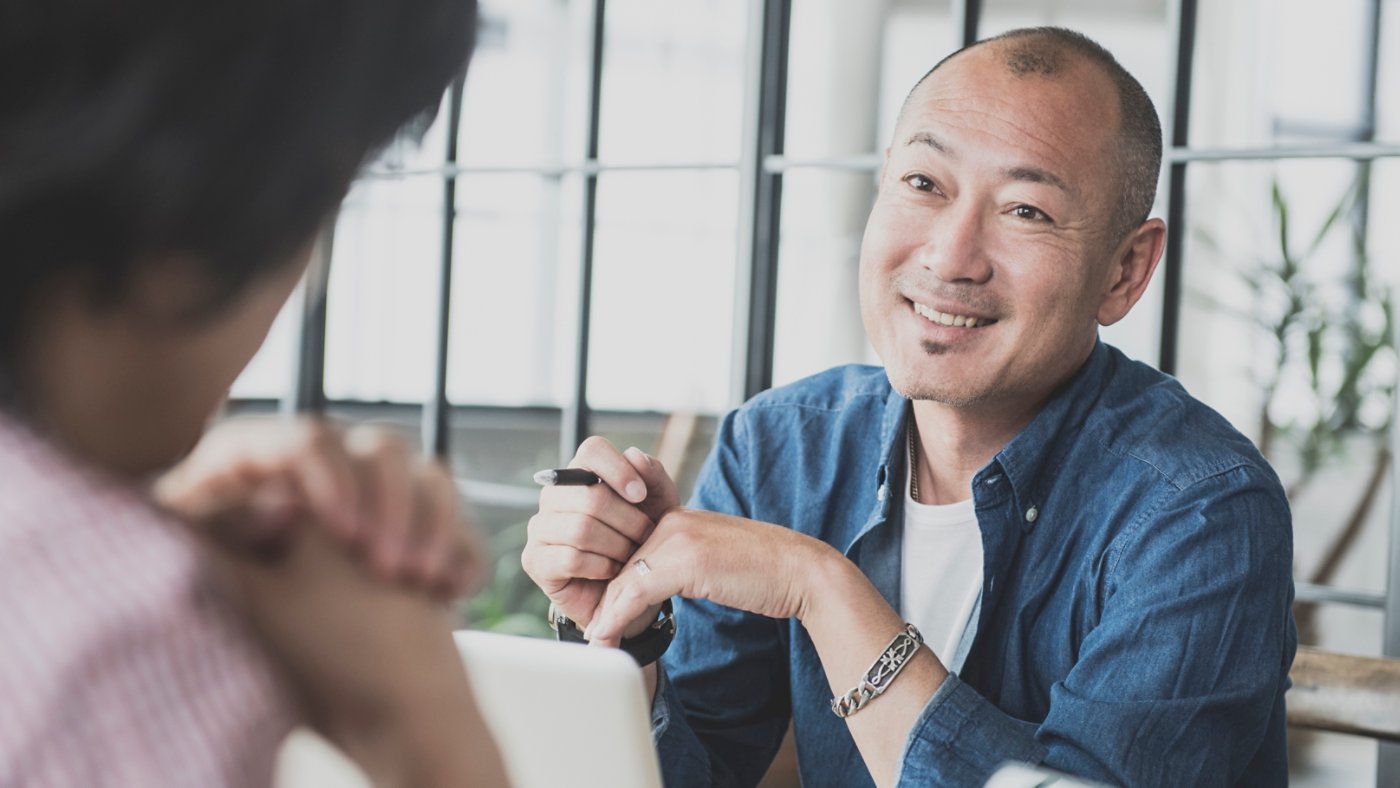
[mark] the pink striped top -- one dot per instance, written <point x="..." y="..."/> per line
<point x="119" y="663"/>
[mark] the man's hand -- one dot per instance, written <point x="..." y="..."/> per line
<point x="249" y="481"/>
<point x="582" y="536"/>
<point x="745" y="564"/>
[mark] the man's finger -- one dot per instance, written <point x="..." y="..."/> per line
<point x="602" y="504"/>
<point x="584" y="532"/>
<point x="600" y="456"/>
<point x="661" y="489"/>
<point x="557" y="565"/>
<point x="629" y="597"/>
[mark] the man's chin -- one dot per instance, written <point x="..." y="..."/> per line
<point x="956" y="394"/>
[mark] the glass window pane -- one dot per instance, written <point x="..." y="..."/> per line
<point x="381" y="311"/>
<point x="514" y="290"/>
<point x="526" y="89"/>
<point x="1290" y="72"/>
<point x="663" y="291"/>
<point x="673" y="81"/>
<point x="1388" y="78"/>
<point x="818" y="322"/>
<point x="849" y="68"/>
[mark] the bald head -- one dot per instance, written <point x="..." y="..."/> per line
<point x="1052" y="53"/>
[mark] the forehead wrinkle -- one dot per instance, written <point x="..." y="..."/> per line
<point x="1006" y="128"/>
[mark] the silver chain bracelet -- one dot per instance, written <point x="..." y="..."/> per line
<point x="881" y="674"/>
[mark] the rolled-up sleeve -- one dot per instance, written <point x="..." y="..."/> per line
<point x="723" y="704"/>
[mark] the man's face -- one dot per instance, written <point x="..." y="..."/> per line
<point x="993" y="215"/>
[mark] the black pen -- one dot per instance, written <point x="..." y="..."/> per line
<point x="567" y="476"/>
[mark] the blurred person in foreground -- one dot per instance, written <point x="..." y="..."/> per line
<point x="164" y="169"/>
<point x="1099" y="565"/>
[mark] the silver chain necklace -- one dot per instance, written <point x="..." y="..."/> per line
<point x="911" y="436"/>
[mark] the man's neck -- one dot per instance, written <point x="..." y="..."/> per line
<point x="955" y="443"/>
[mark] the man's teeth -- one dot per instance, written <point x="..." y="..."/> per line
<point x="946" y="319"/>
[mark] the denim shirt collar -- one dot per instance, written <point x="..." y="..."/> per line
<point x="1031" y="460"/>
<point x="875" y="544"/>
<point x="887" y="481"/>
<point x="1026" y="462"/>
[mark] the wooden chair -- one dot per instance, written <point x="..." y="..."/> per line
<point x="1345" y="694"/>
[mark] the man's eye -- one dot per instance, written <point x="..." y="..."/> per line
<point x="920" y="182"/>
<point x="1030" y="212"/>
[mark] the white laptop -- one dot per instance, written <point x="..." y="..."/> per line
<point x="562" y="713"/>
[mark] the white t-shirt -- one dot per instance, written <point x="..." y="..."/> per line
<point x="941" y="578"/>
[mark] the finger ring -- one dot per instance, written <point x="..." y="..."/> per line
<point x="641" y="566"/>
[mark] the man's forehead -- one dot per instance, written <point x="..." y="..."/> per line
<point x="1075" y="104"/>
<point x="1011" y="67"/>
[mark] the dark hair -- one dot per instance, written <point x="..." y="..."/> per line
<point x="1046" y="51"/>
<point x="221" y="132"/>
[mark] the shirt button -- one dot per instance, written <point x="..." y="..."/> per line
<point x="992" y="480"/>
<point x="882" y="492"/>
<point x="1031" y="514"/>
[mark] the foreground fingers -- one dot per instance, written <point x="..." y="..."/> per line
<point x="384" y="470"/>
<point x="443" y="550"/>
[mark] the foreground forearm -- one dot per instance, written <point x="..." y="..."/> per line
<point x="850" y="624"/>
<point x="431" y="735"/>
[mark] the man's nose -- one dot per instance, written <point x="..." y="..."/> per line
<point x="955" y="248"/>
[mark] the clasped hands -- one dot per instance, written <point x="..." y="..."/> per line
<point x="339" y="548"/>
<point x="585" y="545"/>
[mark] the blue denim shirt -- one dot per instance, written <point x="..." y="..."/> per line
<point x="1136" y="629"/>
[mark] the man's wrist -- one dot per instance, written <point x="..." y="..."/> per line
<point x="821" y="572"/>
<point x="642" y="623"/>
<point x="645" y="647"/>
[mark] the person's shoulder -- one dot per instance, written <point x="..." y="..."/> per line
<point x="1148" y="416"/>
<point x="84" y="548"/>
<point x="835" y="390"/>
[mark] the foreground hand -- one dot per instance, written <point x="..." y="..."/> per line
<point x="582" y="536"/>
<point x="739" y="563"/>
<point x="372" y="662"/>
<point x="250" y="480"/>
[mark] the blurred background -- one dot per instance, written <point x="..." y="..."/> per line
<point x="635" y="214"/>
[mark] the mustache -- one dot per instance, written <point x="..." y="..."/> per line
<point x="974" y="297"/>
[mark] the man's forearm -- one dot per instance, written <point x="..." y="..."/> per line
<point x="850" y="624"/>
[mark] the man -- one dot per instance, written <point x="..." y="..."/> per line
<point x="1098" y="563"/>
<point x="164" y="168"/>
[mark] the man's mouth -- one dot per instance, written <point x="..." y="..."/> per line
<point x="950" y="319"/>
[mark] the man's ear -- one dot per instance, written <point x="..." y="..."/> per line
<point x="1131" y="269"/>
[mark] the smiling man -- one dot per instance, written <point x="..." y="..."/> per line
<point x="1009" y="543"/>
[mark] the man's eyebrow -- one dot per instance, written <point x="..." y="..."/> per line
<point x="1037" y="175"/>
<point x="927" y="138"/>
